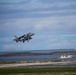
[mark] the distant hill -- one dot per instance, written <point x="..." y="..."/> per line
<point x="36" y="53"/>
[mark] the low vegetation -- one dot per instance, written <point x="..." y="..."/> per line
<point x="42" y="61"/>
<point x="39" y="71"/>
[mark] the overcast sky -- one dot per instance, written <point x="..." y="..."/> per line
<point x="52" y="21"/>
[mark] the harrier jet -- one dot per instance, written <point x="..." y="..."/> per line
<point x="23" y="38"/>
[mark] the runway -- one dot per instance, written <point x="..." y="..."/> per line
<point x="38" y="65"/>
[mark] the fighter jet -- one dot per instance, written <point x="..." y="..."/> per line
<point x="23" y="38"/>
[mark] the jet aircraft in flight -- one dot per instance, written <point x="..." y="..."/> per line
<point x="23" y="38"/>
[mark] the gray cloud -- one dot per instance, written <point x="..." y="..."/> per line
<point x="62" y="23"/>
<point x="53" y="22"/>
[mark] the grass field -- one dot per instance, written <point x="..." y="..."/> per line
<point x="39" y="71"/>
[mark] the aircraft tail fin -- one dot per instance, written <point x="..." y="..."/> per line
<point x="15" y="38"/>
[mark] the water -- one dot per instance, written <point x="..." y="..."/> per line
<point x="34" y="57"/>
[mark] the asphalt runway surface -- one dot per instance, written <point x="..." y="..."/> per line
<point x="39" y="65"/>
<point x="50" y="65"/>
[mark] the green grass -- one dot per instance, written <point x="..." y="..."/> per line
<point x="11" y="71"/>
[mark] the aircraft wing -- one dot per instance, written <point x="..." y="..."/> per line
<point x="22" y="36"/>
